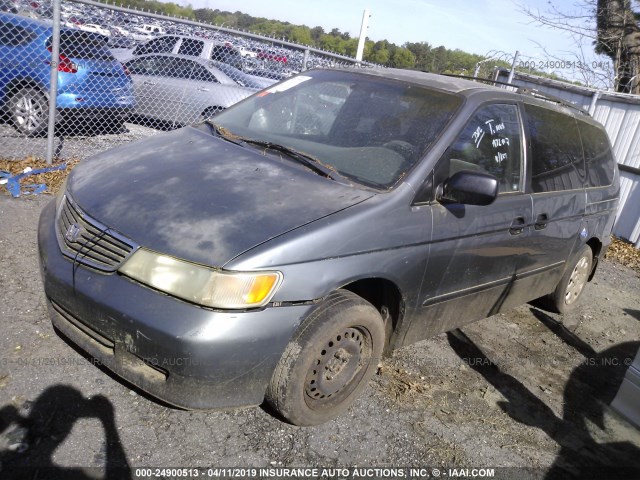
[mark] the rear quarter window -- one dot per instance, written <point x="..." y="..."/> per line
<point x="598" y="156"/>
<point x="557" y="161"/>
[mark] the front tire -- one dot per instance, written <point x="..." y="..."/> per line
<point x="329" y="361"/>
<point x="29" y="110"/>
<point x="565" y="297"/>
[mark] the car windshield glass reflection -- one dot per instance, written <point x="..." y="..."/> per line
<point x="371" y="130"/>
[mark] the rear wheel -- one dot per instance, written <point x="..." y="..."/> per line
<point x="329" y="361"/>
<point x="564" y="298"/>
<point x="29" y="110"/>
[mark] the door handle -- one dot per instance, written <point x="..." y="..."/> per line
<point x="517" y="226"/>
<point x="541" y="221"/>
<point x="146" y="82"/>
<point x="203" y="89"/>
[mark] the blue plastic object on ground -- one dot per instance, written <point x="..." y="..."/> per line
<point x="13" y="182"/>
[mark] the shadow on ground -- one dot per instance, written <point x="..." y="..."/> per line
<point x="588" y="393"/>
<point x="634" y="313"/>
<point x="34" y="437"/>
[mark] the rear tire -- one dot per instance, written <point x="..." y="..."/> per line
<point x="565" y="297"/>
<point x="329" y="361"/>
<point x="29" y="110"/>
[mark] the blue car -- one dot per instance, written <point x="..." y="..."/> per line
<point x="92" y="84"/>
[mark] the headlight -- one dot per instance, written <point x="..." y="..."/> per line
<point x="200" y="284"/>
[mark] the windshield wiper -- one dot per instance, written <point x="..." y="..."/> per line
<point x="307" y="160"/>
<point x="223" y="133"/>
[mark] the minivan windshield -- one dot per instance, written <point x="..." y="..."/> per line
<point x="369" y="129"/>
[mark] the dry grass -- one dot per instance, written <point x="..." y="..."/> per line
<point x="400" y="384"/>
<point x="53" y="180"/>
<point x="624" y="253"/>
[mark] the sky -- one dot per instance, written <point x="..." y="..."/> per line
<point x="475" y="26"/>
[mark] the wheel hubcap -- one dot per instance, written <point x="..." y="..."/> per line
<point x="577" y="281"/>
<point x="28" y="113"/>
<point x="337" y="365"/>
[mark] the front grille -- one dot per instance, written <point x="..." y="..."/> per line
<point x="87" y="241"/>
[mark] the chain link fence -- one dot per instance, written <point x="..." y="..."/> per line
<point x="124" y="74"/>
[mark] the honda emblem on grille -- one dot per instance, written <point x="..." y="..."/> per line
<point x="73" y="232"/>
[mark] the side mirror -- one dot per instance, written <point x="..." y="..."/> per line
<point x="469" y="188"/>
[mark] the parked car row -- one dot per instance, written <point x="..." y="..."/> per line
<point x="89" y="90"/>
<point x="125" y="30"/>
<point x="205" y="49"/>
<point x="94" y="86"/>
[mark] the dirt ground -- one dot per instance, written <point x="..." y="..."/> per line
<point x="526" y="393"/>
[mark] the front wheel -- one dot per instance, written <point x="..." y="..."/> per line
<point x="329" y="361"/>
<point x="566" y="294"/>
<point x="29" y="111"/>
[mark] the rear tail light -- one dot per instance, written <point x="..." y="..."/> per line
<point x="65" y="65"/>
<point x="126" y="70"/>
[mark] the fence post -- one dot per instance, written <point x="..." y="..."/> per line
<point x="513" y="68"/>
<point x="53" y="90"/>
<point x="305" y="59"/>
<point x="594" y="100"/>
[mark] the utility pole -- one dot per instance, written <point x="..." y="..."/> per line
<point x="363" y="34"/>
<point x="513" y="67"/>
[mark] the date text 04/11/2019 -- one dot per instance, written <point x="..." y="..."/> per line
<point x="252" y="473"/>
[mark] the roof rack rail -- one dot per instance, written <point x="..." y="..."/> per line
<point x="483" y="80"/>
<point x="525" y="91"/>
<point x="551" y="98"/>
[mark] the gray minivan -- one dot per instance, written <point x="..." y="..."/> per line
<point x="279" y="250"/>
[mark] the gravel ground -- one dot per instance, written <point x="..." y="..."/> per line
<point x="527" y="389"/>
<point x="14" y="146"/>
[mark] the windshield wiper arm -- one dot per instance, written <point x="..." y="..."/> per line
<point x="307" y="160"/>
<point x="223" y="133"/>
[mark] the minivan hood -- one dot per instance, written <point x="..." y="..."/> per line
<point x="194" y="196"/>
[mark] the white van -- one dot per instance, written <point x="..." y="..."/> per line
<point x="152" y="29"/>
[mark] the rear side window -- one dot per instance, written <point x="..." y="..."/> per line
<point x="597" y="155"/>
<point x="14" y="35"/>
<point x="557" y="160"/>
<point x="77" y="44"/>
<point x="157" y="45"/>
<point x="191" y="47"/>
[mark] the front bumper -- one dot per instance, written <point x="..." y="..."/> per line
<point x="183" y="354"/>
